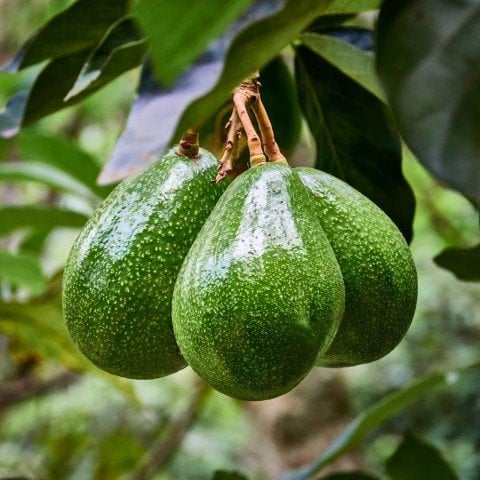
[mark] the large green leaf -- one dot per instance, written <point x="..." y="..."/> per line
<point x="354" y="138"/>
<point x="81" y="25"/>
<point x="350" y="60"/>
<point x="429" y="63"/>
<point x="416" y="459"/>
<point x="371" y="418"/>
<point x="52" y="85"/>
<point x="64" y="155"/>
<point x="180" y="31"/>
<point x="253" y="48"/>
<point x="464" y="263"/>
<point x="22" y="271"/>
<point x="352" y="6"/>
<point x="46" y="95"/>
<point x="45" y="174"/>
<point x="120" y="50"/>
<point x="33" y="216"/>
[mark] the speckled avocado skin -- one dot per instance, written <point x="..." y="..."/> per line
<point x="119" y="278"/>
<point x="378" y="271"/>
<point x="260" y="292"/>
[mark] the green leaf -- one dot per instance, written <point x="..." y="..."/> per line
<point x="22" y="271"/>
<point x="352" y="6"/>
<point x="350" y="60"/>
<point x="120" y="50"/>
<point x="349" y="476"/>
<point x="226" y="475"/>
<point x="76" y="28"/>
<point x="64" y="155"/>
<point x="464" y="263"/>
<point x="253" y="48"/>
<point x="416" y="459"/>
<point x="48" y="92"/>
<point x="49" y="176"/>
<point x="34" y="241"/>
<point x="33" y="216"/>
<point x="376" y="415"/>
<point x="52" y="84"/>
<point x="429" y="63"/>
<point x="354" y="138"/>
<point x="180" y="31"/>
<point x="285" y="115"/>
<point x="45" y="96"/>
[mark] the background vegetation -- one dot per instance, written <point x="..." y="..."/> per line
<point x="60" y="417"/>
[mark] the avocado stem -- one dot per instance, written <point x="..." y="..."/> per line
<point x="243" y="96"/>
<point x="189" y="144"/>
<point x="231" y="150"/>
<point x="266" y="130"/>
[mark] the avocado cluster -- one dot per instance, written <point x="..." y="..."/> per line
<point x="252" y="285"/>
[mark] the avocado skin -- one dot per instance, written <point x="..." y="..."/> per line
<point x="260" y="292"/>
<point x="119" y="278"/>
<point x="378" y="271"/>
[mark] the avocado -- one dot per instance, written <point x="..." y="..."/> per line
<point x="119" y="277"/>
<point x="377" y="267"/>
<point x="260" y="292"/>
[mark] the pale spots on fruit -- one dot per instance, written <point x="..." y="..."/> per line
<point x="257" y="273"/>
<point x="377" y="266"/>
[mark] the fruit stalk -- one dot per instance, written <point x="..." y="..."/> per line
<point x="189" y="144"/>
<point x="243" y="97"/>
<point x="231" y="151"/>
<point x="266" y="130"/>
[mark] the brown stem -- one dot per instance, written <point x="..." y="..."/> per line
<point x="243" y="96"/>
<point x="189" y="145"/>
<point x="26" y="388"/>
<point x="162" y="449"/>
<point x="268" y="138"/>
<point x="231" y="152"/>
<point x="220" y="127"/>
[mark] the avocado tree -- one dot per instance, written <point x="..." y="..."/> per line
<point x="344" y="91"/>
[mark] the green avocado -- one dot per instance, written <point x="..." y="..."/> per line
<point x="378" y="271"/>
<point x="260" y="292"/>
<point x="120" y="275"/>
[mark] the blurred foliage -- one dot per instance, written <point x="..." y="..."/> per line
<point x="60" y="417"/>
